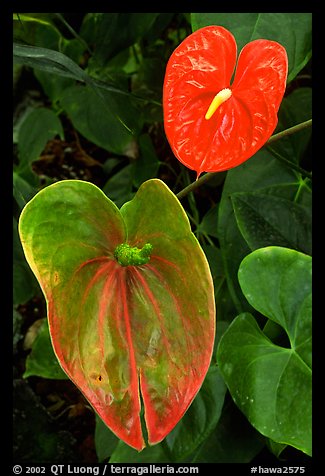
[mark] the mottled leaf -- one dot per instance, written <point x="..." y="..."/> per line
<point x="144" y="326"/>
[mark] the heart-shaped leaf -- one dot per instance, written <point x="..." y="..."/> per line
<point x="130" y="301"/>
<point x="271" y="384"/>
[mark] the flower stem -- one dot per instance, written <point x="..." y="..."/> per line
<point x="194" y="185"/>
<point x="291" y="130"/>
<point x="209" y="175"/>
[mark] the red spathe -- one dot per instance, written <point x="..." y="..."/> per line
<point x="200" y="67"/>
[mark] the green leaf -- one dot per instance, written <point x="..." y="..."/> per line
<point x="120" y="330"/>
<point x="275" y="392"/>
<point x="272" y="384"/>
<point x="42" y="18"/>
<point x="105" y="440"/>
<point x="209" y="222"/>
<point x="57" y="63"/>
<point x="295" y="109"/>
<point x="48" y="60"/>
<point x="234" y="440"/>
<point x="214" y="257"/>
<point x="158" y="26"/>
<point x="24" y="283"/>
<point x="266" y="220"/>
<point x="42" y="360"/>
<point x="106" y="120"/>
<point x="292" y="30"/>
<point x="277" y="283"/>
<point x="151" y="454"/>
<point x="54" y="85"/>
<point x="22" y="190"/>
<point x="35" y="30"/>
<point x="225" y="306"/>
<point x="261" y="172"/>
<point x="119" y="188"/>
<point x="147" y="165"/>
<point x="275" y="448"/>
<point x="200" y="419"/>
<point x="40" y="126"/>
<point x="112" y="32"/>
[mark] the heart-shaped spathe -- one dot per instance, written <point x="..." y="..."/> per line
<point x="212" y="124"/>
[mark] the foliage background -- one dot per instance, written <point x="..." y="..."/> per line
<point x="90" y="109"/>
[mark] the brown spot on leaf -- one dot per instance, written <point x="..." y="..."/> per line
<point x="98" y="378"/>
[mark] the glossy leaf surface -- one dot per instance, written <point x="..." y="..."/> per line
<point x="271" y="384"/>
<point x="119" y="331"/>
<point x="199" y="69"/>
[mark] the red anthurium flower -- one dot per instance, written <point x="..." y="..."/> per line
<point x="212" y="124"/>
